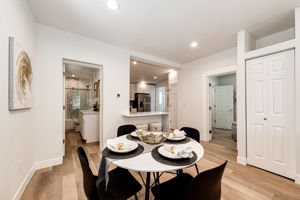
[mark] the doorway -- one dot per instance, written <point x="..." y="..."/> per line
<point x="222" y="107"/>
<point x="82" y="103"/>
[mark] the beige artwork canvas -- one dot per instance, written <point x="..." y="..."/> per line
<point x="20" y="80"/>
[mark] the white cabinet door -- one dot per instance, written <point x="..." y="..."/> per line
<point x="224" y="106"/>
<point x="270" y="113"/>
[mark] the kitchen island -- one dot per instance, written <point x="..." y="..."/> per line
<point x="136" y="118"/>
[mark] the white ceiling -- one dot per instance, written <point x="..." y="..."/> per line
<point x="80" y="72"/>
<point x="146" y="72"/>
<point x="165" y="28"/>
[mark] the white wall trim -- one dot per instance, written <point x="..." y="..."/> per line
<point x="297" y="179"/>
<point x="283" y="46"/>
<point x="24" y="183"/>
<point x="205" y="93"/>
<point x="297" y="80"/>
<point x="48" y="163"/>
<point x="35" y="166"/>
<point x="241" y="160"/>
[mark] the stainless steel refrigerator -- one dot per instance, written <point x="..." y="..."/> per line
<point x="143" y="102"/>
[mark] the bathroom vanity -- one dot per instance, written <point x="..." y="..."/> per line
<point x="89" y="125"/>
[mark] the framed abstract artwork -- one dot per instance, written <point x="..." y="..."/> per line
<point x="20" y="77"/>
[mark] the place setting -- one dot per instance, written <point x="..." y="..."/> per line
<point x="177" y="137"/>
<point x="175" y="155"/>
<point x="170" y="147"/>
<point x="120" y="148"/>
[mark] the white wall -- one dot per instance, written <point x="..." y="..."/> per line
<point x="297" y="80"/>
<point x="190" y="88"/>
<point x="275" y="38"/>
<point x="52" y="46"/>
<point x="17" y="127"/>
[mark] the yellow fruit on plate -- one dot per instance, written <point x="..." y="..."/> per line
<point x="120" y="146"/>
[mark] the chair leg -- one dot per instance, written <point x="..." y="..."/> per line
<point x="136" y="197"/>
<point x="197" y="168"/>
<point x="180" y="171"/>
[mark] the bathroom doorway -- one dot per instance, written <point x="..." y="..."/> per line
<point x="82" y="92"/>
<point x="222" y="106"/>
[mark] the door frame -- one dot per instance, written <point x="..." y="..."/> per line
<point x="90" y="65"/>
<point x="206" y="76"/>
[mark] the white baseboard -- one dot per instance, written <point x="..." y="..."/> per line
<point x="241" y="160"/>
<point x="48" y="163"/>
<point x="35" y="166"/>
<point x="297" y="179"/>
<point x="24" y="183"/>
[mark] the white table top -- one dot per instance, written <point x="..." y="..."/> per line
<point x="145" y="163"/>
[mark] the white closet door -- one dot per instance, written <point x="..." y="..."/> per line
<point x="224" y="106"/>
<point x="270" y="113"/>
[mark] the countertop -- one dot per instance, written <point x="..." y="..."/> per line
<point x="144" y="114"/>
<point x="89" y="112"/>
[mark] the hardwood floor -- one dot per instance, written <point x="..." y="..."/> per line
<point x="222" y="133"/>
<point x="64" y="182"/>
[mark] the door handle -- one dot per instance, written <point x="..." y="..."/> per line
<point x="265" y="118"/>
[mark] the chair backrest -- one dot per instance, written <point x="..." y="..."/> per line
<point x="89" y="181"/>
<point x="207" y="185"/>
<point x="126" y="129"/>
<point x="192" y="133"/>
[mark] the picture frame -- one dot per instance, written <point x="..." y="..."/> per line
<point x="20" y="77"/>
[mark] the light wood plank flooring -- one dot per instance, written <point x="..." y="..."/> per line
<point x="218" y="133"/>
<point x="64" y="182"/>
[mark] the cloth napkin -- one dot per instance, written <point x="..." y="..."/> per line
<point x="112" y="144"/>
<point x="182" y="151"/>
<point x="178" y="134"/>
<point x="103" y="171"/>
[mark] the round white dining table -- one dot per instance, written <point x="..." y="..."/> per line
<point x="144" y="162"/>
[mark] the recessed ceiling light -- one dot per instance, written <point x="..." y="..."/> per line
<point x="73" y="75"/>
<point x="134" y="62"/>
<point x="194" y="44"/>
<point x="113" y="5"/>
<point x="155" y="77"/>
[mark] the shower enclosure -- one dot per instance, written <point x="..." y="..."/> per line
<point x="77" y="98"/>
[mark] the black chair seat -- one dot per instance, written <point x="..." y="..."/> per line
<point x="174" y="189"/>
<point x="121" y="185"/>
<point x="205" y="186"/>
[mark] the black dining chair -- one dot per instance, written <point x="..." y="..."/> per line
<point x="205" y="186"/>
<point x="125" y="129"/>
<point x="194" y="134"/>
<point x="121" y="185"/>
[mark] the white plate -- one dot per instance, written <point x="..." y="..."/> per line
<point x="176" y="138"/>
<point x="133" y="134"/>
<point x="133" y="144"/>
<point x="162" y="151"/>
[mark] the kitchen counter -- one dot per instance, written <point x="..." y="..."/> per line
<point x="89" y="112"/>
<point x="144" y="114"/>
<point x="137" y="118"/>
